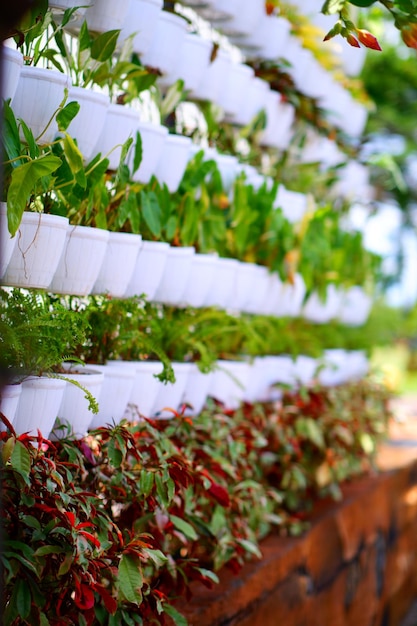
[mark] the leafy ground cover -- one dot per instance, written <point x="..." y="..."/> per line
<point x="114" y="528"/>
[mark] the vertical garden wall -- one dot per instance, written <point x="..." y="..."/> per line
<point x="185" y="309"/>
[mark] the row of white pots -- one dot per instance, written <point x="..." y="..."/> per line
<point x="131" y="390"/>
<point x="99" y="127"/>
<point x="49" y="253"/>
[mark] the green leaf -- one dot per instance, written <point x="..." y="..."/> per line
<point x="65" y="115"/>
<point x="208" y="574"/>
<point x="173" y="98"/>
<point x="308" y="428"/>
<point x="151" y="212"/>
<point x="10" y="135"/>
<point x="161" y="490"/>
<point x="20" y="459"/>
<point x="23" y="598"/>
<point x="23" y="183"/>
<point x="104" y="46"/>
<point x="137" y="158"/>
<point x="30" y="140"/>
<point x="250" y="547"/>
<point x="84" y="38"/>
<point x="158" y="557"/>
<point x="44" y="550"/>
<point x="7" y="449"/>
<point x="176" y="617"/>
<point x="184" y="527"/>
<point x="332" y="6"/>
<point x="130" y="579"/>
<point x="146" y="482"/>
<point x="114" y="453"/>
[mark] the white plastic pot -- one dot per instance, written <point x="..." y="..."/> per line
<point x="114" y="395"/>
<point x="196" y="390"/>
<point x="292" y="296"/>
<point x="40" y="242"/>
<point x="245" y="282"/>
<point x="149" y="269"/>
<point x="319" y="311"/>
<point x="192" y="64"/>
<point x="81" y="260"/>
<point x="38" y="95"/>
<point x="9" y="400"/>
<point x="355" y="307"/>
<point x="240" y="77"/>
<point x="7" y="243"/>
<point x="39" y="404"/>
<point x="218" y="10"/>
<point x="305" y="369"/>
<point x="170" y="395"/>
<point x="228" y="167"/>
<point x="169" y="35"/>
<point x="74" y="410"/>
<point x="153" y="141"/>
<point x="171" y="289"/>
<point x="229" y="383"/>
<point x="215" y="79"/>
<point x="11" y="67"/>
<point x="173" y="161"/>
<point x="336" y="368"/>
<point x="247" y="15"/>
<point x="270" y="305"/>
<point x="121" y="122"/>
<point x="105" y="15"/>
<point x="203" y="268"/>
<point x="259" y="292"/>
<point x="253" y="102"/>
<point x="222" y="291"/>
<point x="88" y="124"/>
<point x="144" y="389"/>
<point x="279" y="370"/>
<point x="118" y="264"/>
<point x="292" y="203"/>
<point x="269" y="38"/>
<point x="58" y="8"/>
<point x="141" y="19"/>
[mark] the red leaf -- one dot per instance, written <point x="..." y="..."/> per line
<point x="91" y="538"/>
<point x="84" y="525"/>
<point x="71" y="517"/>
<point x="109" y="602"/>
<point x="84" y="597"/>
<point x="220" y="494"/>
<point x="367" y="39"/>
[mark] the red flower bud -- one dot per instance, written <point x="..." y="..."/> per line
<point x="352" y="41"/>
<point x="409" y="37"/>
<point x="367" y="39"/>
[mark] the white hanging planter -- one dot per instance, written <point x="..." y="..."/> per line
<point x="193" y="62"/>
<point x="203" y="268"/>
<point x="260" y="291"/>
<point x="228" y="167"/>
<point x="74" y="411"/>
<point x="358" y="364"/>
<point x="246" y="16"/>
<point x="245" y="282"/>
<point x="271" y="37"/>
<point x="7" y="243"/>
<point x="114" y="395"/>
<point x="279" y="370"/>
<point x="196" y="390"/>
<point x="321" y="312"/>
<point x="229" y="383"/>
<point x="168" y="38"/>
<point x="170" y="395"/>
<point x="39" y="404"/>
<point x="39" y="244"/>
<point x="174" y="280"/>
<point x="144" y="389"/>
<point x="11" y="68"/>
<point x="240" y="77"/>
<point x="58" y="8"/>
<point x="38" y="96"/>
<point x="149" y="269"/>
<point x="140" y="21"/>
<point x="153" y="142"/>
<point x="270" y="305"/>
<point x="118" y="264"/>
<point x="255" y="389"/>
<point x="292" y="296"/>
<point x="336" y="368"/>
<point x="222" y="290"/>
<point x="173" y="161"/>
<point x="280" y="117"/>
<point x="292" y="203"/>
<point x="214" y="80"/>
<point x="121" y="122"/>
<point x="88" y="124"/>
<point x="355" y="307"/>
<point x="105" y="15"/>
<point x="253" y="102"/>
<point x="9" y="400"/>
<point x="81" y="260"/>
<point x="305" y="369"/>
